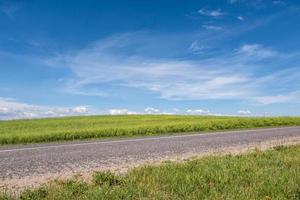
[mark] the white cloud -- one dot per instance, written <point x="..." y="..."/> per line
<point x="80" y="109"/>
<point x="240" y="18"/>
<point x="211" y="27"/>
<point x="4" y="110"/>
<point x="211" y="13"/>
<point x="244" y="112"/>
<point x="12" y="109"/>
<point x="205" y="112"/>
<point x="257" y="51"/>
<point x="147" y="110"/>
<point x="150" y="110"/>
<point x="198" y="112"/>
<point x="121" y="112"/>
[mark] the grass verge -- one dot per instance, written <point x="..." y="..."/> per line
<point x="78" y="128"/>
<point x="273" y="174"/>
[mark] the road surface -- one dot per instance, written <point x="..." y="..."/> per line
<point x="28" y="161"/>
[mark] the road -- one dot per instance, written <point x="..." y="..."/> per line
<point x="28" y="161"/>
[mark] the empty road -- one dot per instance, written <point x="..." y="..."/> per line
<point x="29" y="161"/>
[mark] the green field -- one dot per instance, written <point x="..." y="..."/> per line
<point x="76" y="128"/>
<point x="273" y="174"/>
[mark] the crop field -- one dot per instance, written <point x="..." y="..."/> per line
<point x="273" y="174"/>
<point x="76" y="128"/>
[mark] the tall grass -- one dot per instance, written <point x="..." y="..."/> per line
<point x="274" y="174"/>
<point x="76" y="128"/>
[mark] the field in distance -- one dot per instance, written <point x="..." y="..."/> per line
<point x="273" y="174"/>
<point x="88" y="127"/>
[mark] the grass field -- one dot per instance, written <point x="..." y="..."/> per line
<point x="76" y="128"/>
<point x="273" y="174"/>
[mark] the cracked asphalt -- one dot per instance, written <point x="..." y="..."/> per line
<point x="19" y="162"/>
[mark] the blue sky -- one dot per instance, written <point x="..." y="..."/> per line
<point x="230" y="57"/>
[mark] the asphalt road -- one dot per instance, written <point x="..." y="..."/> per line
<point x="36" y="160"/>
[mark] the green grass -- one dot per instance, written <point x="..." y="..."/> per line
<point x="273" y="174"/>
<point x="77" y="128"/>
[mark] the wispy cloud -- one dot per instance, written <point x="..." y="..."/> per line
<point x="172" y="79"/>
<point x="278" y="2"/>
<point x="196" y="48"/>
<point x="258" y="4"/>
<point x="211" y="13"/>
<point x="212" y="27"/>
<point x="9" y="8"/>
<point x="233" y="1"/>
<point x="280" y="98"/>
<point x="257" y="51"/>
<point x="241" y="18"/>
<point x="227" y="76"/>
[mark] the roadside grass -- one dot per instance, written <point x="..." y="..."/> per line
<point x="87" y="127"/>
<point x="272" y="174"/>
